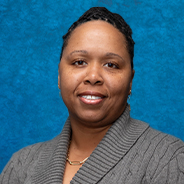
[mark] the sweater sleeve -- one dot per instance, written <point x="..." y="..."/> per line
<point x="21" y="163"/>
<point x="9" y="174"/>
<point x="173" y="172"/>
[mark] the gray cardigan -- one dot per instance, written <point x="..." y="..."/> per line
<point x="130" y="153"/>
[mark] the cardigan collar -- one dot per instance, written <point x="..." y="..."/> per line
<point x="118" y="140"/>
<point x="51" y="166"/>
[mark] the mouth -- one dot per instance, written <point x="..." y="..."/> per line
<point x="91" y="98"/>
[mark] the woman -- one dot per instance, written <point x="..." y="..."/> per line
<point x="99" y="143"/>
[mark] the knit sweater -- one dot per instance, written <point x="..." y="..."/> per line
<point x="130" y="153"/>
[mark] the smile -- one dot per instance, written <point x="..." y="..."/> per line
<point x="90" y="97"/>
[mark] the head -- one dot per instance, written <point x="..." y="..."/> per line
<point x="96" y="68"/>
<point x="101" y="13"/>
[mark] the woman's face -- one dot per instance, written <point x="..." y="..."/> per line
<point x="95" y="75"/>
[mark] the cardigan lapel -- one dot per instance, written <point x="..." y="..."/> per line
<point x="51" y="165"/>
<point x="116" y="143"/>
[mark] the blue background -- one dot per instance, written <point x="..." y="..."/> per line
<point x="30" y="42"/>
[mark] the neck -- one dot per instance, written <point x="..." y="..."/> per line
<point x="85" y="139"/>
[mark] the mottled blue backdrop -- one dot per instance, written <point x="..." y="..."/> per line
<point x="30" y="43"/>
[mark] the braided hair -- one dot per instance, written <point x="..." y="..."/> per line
<point x="101" y="13"/>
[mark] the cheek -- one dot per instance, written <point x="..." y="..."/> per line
<point x="119" y="86"/>
<point x="66" y="83"/>
<point x="69" y="81"/>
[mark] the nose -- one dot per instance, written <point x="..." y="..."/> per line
<point x="94" y="75"/>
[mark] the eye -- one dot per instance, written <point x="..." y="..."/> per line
<point x="111" y="65"/>
<point x="80" y="62"/>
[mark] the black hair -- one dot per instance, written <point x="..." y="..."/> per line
<point x="101" y="13"/>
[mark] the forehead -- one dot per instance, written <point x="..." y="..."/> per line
<point x="97" y="33"/>
<point x="97" y="26"/>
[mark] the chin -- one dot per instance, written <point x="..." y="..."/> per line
<point x="91" y="118"/>
<point x="96" y="120"/>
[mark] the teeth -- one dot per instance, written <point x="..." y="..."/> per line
<point x="89" y="97"/>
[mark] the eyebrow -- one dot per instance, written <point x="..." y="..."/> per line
<point x="78" y="51"/>
<point x="107" y="54"/>
<point x="113" y="54"/>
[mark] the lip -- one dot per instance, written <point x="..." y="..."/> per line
<point x="100" y="98"/>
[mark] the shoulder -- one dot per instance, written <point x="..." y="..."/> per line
<point x="163" y="156"/>
<point x="25" y="160"/>
<point x="163" y="142"/>
<point x="159" y="147"/>
<point x="158" y="139"/>
<point x="32" y="152"/>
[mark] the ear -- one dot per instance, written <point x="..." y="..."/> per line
<point x="133" y="72"/>
<point x="59" y="86"/>
<point x="58" y="81"/>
